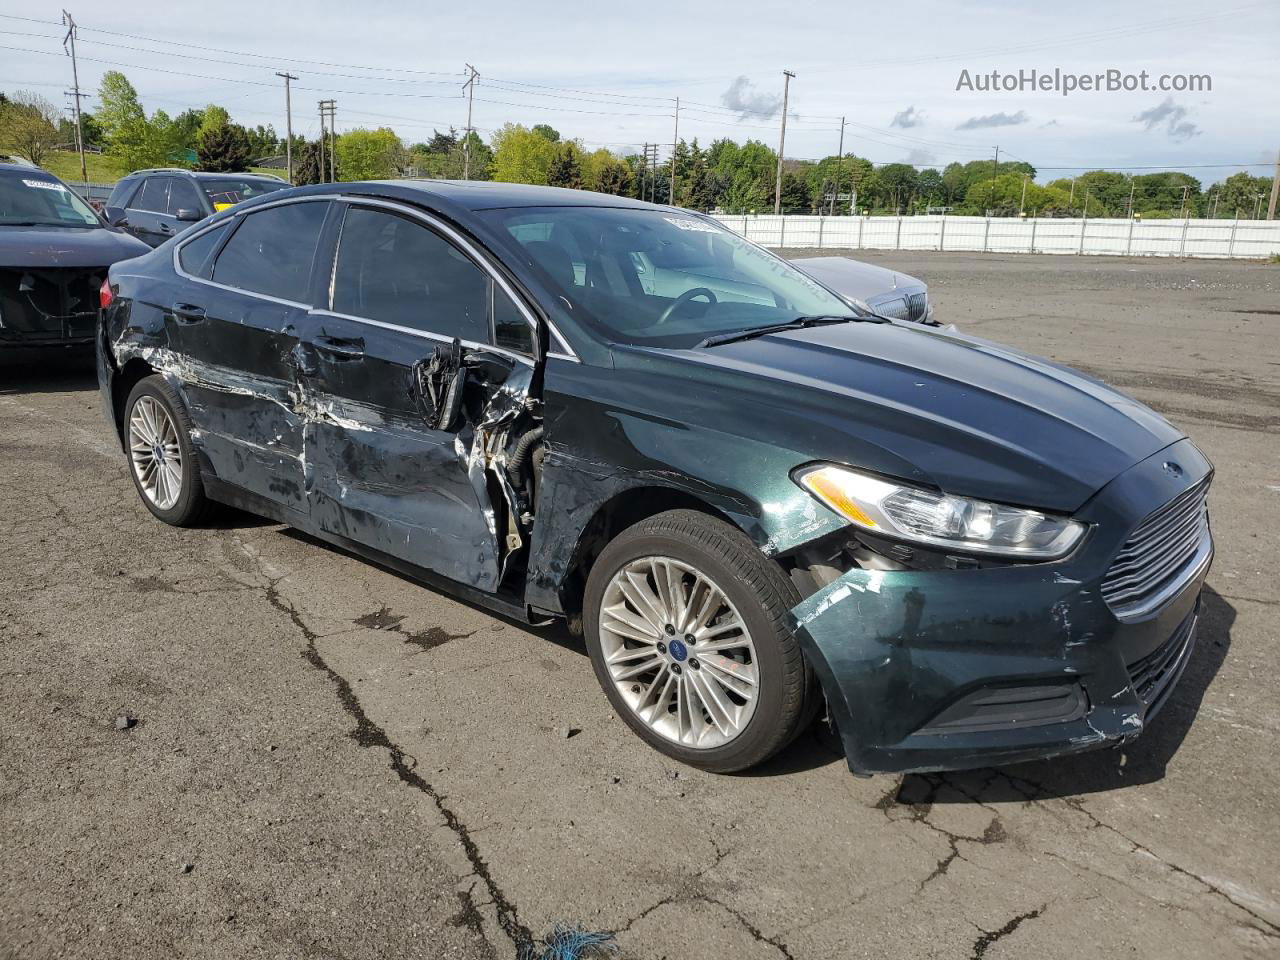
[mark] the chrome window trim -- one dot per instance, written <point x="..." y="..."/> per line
<point x="424" y="334"/>
<point x="565" y="353"/>
<point x="177" y="247"/>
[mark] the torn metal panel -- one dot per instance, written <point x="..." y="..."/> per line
<point x="405" y="447"/>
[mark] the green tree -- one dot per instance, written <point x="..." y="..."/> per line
<point x="546" y="131"/>
<point x="604" y="172"/>
<point x="306" y="163"/>
<point x="124" y="123"/>
<point x="369" y="154"/>
<point x="28" y="126"/>
<point x="565" y="169"/>
<point x="1240" y="195"/>
<point x="520" y="155"/>
<point x="223" y="148"/>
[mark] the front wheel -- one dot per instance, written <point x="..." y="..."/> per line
<point x="686" y="627"/>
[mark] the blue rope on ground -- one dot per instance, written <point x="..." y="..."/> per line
<point x="572" y="943"/>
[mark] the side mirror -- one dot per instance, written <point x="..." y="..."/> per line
<point x="187" y="215"/>
<point x="115" y="217"/>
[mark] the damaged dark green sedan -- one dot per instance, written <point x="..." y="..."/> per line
<point x="752" y="497"/>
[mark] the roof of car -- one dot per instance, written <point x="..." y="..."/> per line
<point x="200" y="174"/>
<point x="24" y="170"/>
<point x="488" y="195"/>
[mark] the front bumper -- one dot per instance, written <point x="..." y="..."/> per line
<point x="952" y="669"/>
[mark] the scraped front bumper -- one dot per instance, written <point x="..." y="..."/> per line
<point x="951" y="669"/>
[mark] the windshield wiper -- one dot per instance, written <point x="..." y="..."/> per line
<point x="799" y="323"/>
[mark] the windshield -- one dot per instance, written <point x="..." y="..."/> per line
<point x="661" y="277"/>
<point x="228" y="191"/>
<point x="39" y="199"/>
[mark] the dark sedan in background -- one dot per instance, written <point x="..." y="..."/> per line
<point x="54" y="255"/>
<point x="747" y="492"/>
<point x="888" y="293"/>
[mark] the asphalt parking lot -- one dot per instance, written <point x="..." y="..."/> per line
<point x="331" y="761"/>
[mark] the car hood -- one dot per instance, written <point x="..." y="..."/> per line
<point x="66" y="246"/>
<point x="856" y="279"/>
<point x="969" y="416"/>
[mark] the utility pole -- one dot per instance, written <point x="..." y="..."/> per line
<point x="333" y="135"/>
<point x="288" y="126"/>
<point x="328" y="110"/>
<point x="1183" y="209"/>
<point x="1275" y="190"/>
<point x="1022" y="204"/>
<point x="470" y="86"/>
<point x="1132" y="183"/>
<point x="782" y="139"/>
<point x="70" y="38"/>
<point x="675" y="143"/>
<point x="321" y="169"/>
<point x="995" y="169"/>
<point x="835" y="195"/>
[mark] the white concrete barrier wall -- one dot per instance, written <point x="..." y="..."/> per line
<point x="1257" y="239"/>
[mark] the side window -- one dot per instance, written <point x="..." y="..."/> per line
<point x="510" y="328"/>
<point x="153" y="197"/>
<point x="395" y="270"/>
<point x="194" y="255"/>
<point x="271" y="251"/>
<point x="183" y="196"/>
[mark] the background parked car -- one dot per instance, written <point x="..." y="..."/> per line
<point x="54" y="254"/>
<point x="887" y="292"/>
<point x="154" y="205"/>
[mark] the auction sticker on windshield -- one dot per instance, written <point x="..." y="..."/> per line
<point x="44" y="185"/>
<point x="688" y="223"/>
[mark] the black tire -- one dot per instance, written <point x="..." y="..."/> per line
<point x="191" y="506"/>
<point x="762" y="594"/>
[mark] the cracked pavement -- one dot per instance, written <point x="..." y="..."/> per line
<point x="331" y="761"/>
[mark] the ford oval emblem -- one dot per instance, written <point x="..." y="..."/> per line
<point x="1172" y="468"/>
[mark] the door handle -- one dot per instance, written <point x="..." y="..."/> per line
<point x="188" y="312"/>
<point x="165" y="228"/>
<point x="348" y="347"/>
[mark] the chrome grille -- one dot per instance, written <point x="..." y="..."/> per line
<point x="1161" y="554"/>
<point x="917" y="304"/>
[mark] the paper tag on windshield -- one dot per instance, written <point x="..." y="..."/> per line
<point x="44" y="185"/>
<point x="688" y="223"/>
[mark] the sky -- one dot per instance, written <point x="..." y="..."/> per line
<point x="610" y="74"/>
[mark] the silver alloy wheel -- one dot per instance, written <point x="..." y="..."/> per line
<point x="678" y="652"/>
<point x="155" y="452"/>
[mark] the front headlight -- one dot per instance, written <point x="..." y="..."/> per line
<point x="938" y="519"/>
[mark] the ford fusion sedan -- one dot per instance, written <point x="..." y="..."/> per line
<point x="758" y="502"/>
<point x="54" y="254"/>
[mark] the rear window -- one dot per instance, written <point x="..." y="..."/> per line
<point x="271" y="251"/>
<point x="226" y="191"/>
<point x="194" y="254"/>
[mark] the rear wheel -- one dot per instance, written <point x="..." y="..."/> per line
<point x="685" y="624"/>
<point x="161" y="460"/>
